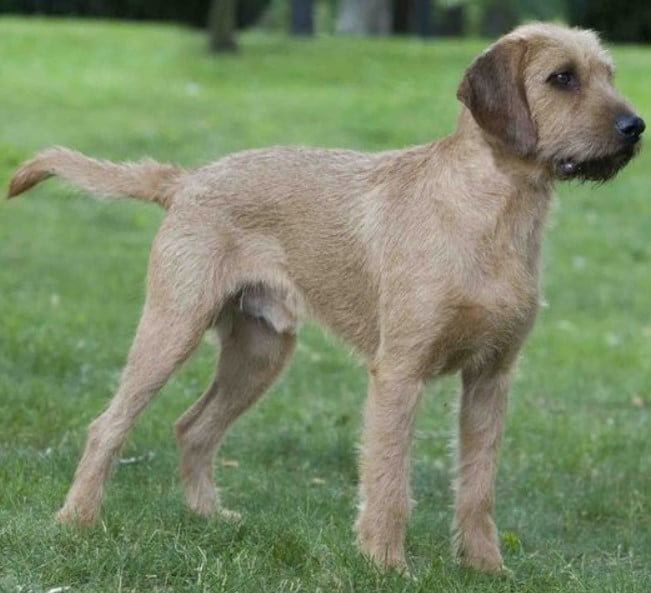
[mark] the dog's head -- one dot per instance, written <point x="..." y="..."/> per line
<point x="546" y="93"/>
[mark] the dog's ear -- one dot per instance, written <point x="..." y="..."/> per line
<point x="493" y="89"/>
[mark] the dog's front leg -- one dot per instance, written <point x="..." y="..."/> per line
<point x="481" y="420"/>
<point x="384" y="486"/>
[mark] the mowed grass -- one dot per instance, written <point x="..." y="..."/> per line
<point x="574" y="489"/>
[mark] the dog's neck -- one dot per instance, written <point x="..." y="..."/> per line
<point x="470" y="138"/>
<point x="525" y="186"/>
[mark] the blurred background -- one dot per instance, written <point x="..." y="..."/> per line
<point x="122" y="79"/>
<point x="623" y="20"/>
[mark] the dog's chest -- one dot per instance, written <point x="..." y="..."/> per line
<point x="492" y="300"/>
<point x="484" y="326"/>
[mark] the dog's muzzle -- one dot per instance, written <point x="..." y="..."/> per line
<point x="628" y="131"/>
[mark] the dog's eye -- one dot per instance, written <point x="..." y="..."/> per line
<point x="563" y="80"/>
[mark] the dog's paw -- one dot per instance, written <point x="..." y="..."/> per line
<point x="385" y="563"/>
<point x="208" y="506"/>
<point x="476" y="546"/>
<point x="202" y="499"/>
<point x="486" y="565"/>
<point x="67" y="515"/>
<point x="386" y="555"/>
<point x="229" y="515"/>
<point x="487" y="560"/>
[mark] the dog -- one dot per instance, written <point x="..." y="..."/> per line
<point x="425" y="260"/>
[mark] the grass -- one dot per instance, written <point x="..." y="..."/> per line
<point x="573" y="495"/>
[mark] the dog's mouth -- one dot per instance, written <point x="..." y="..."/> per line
<point x="598" y="169"/>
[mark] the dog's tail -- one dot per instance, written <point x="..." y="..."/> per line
<point x="145" y="180"/>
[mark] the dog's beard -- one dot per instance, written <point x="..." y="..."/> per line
<point x="596" y="169"/>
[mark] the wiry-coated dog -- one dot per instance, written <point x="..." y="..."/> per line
<point x="424" y="259"/>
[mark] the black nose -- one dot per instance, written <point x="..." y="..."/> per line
<point x="630" y="126"/>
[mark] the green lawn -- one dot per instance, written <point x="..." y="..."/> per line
<point x="574" y="491"/>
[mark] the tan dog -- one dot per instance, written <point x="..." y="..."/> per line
<point x="424" y="259"/>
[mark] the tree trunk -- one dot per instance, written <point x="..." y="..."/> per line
<point x="422" y="17"/>
<point x="401" y="12"/>
<point x="302" y="19"/>
<point x="364" y="17"/>
<point x="451" y="21"/>
<point x="221" y="25"/>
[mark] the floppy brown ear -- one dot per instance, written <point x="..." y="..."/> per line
<point x="493" y="89"/>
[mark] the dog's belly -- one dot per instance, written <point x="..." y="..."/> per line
<point x="324" y="263"/>
<point x="344" y="300"/>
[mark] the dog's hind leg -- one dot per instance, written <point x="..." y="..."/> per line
<point x="253" y="354"/>
<point x="163" y="341"/>
<point x="180" y="306"/>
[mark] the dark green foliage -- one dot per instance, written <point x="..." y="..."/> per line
<point x="543" y="10"/>
<point x="450" y="20"/>
<point x="498" y="17"/>
<point x="192" y="12"/>
<point x="625" y="20"/>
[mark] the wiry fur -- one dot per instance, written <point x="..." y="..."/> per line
<point x="424" y="259"/>
<point x="147" y="180"/>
